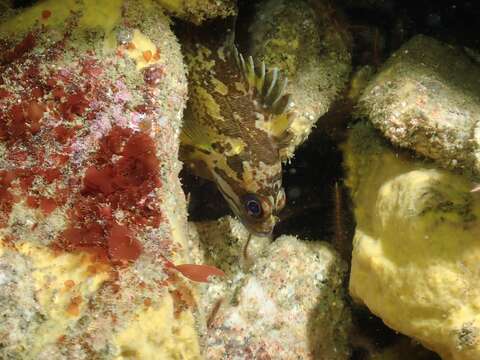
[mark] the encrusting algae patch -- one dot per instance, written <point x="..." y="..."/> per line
<point x="63" y="284"/>
<point x="92" y="216"/>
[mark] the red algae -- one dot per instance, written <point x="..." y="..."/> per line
<point x="47" y="205"/>
<point x="123" y="173"/>
<point x="6" y="198"/>
<point x="91" y="68"/>
<point x="46" y="14"/>
<point x="121" y="244"/>
<point x="99" y="181"/>
<point x="34" y="126"/>
<point x="52" y="174"/>
<point x="44" y="120"/>
<point x="153" y="74"/>
<point x="63" y="134"/>
<point x="35" y="111"/>
<point x="21" y="121"/>
<point x="19" y="50"/>
<point x="69" y="284"/>
<point x="73" y="307"/>
<point x="34" y="115"/>
<point x="32" y="202"/>
<point x="36" y="92"/>
<point x="4" y="94"/>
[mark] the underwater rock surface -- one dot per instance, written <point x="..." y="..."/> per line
<point x="426" y="98"/>
<point x="307" y="43"/>
<point x="91" y="208"/>
<point x="416" y="250"/>
<point x="198" y="11"/>
<point x="286" y="303"/>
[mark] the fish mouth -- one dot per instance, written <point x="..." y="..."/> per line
<point x="259" y="233"/>
<point x="262" y="229"/>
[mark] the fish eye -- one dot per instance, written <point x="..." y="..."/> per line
<point x="253" y="206"/>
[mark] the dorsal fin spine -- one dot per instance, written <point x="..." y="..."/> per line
<point x="268" y="86"/>
<point x="270" y="90"/>
<point x="280" y="92"/>
<point x="260" y="77"/>
<point x="251" y="72"/>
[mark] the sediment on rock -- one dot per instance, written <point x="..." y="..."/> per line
<point x="426" y="98"/>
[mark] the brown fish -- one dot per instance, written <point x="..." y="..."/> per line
<point x="236" y="125"/>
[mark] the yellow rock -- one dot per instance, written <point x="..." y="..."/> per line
<point x="416" y="252"/>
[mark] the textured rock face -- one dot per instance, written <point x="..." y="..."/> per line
<point x="416" y="250"/>
<point x="198" y="11"/>
<point x="287" y="302"/>
<point x="314" y="52"/>
<point x="427" y="98"/>
<point x="91" y="100"/>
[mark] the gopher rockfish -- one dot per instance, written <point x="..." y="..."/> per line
<point x="235" y="127"/>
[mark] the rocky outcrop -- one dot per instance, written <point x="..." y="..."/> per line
<point x="92" y="215"/>
<point x="416" y="250"/>
<point x="281" y="300"/>
<point x="427" y="98"/>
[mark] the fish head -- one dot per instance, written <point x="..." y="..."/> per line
<point x="256" y="197"/>
<point x="236" y="128"/>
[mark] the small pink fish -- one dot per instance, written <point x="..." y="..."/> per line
<point x="199" y="273"/>
<point x="194" y="272"/>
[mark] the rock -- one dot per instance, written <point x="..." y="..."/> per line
<point x="197" y="11"/>
<point x="226" y="242"/>
<point x="427" y="98"/>
<point x="91" y="208"/>
<point x="312" y="48"/>
<point x="416" y="250"/>
<point x="286" y="303"/>
<point x="5" y="6"/>
<point x="403" y="349"/>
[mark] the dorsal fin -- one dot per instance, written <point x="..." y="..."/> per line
<point x="266" y="85"/>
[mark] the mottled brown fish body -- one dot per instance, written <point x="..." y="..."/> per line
<point x="231" y="132"/>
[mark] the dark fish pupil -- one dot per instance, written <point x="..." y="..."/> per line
<point x="253" y="207"/>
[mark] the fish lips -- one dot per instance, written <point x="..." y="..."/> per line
<point x="261" y="228"/>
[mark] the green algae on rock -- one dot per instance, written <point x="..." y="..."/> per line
<point x="197" y="11"/>
<point x="416" y="251"/>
